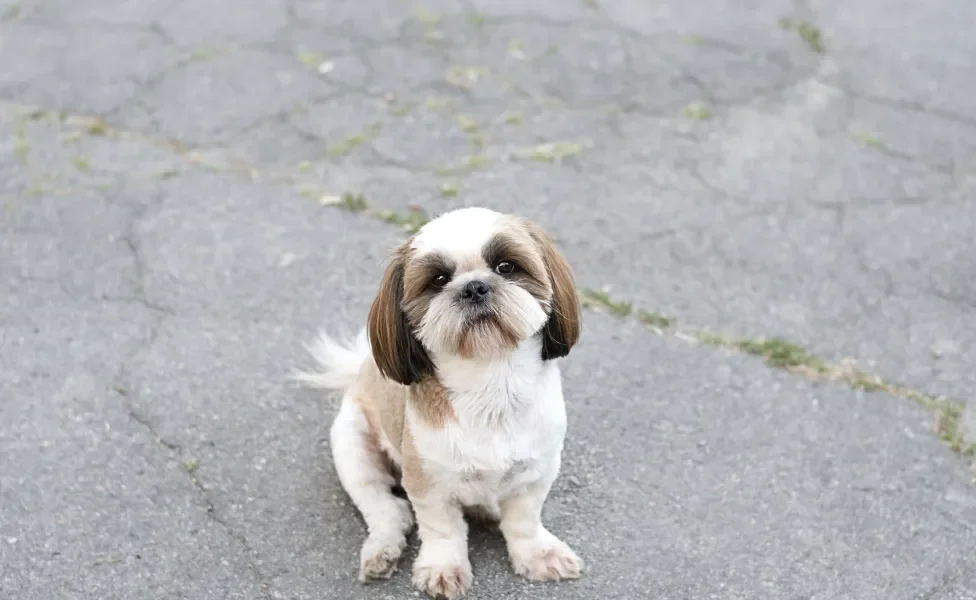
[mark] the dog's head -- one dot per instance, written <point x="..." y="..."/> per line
<point x="472" y="283"/>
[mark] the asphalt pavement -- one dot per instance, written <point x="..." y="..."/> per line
<point x="770" y="206"/>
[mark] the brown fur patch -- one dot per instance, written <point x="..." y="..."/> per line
<point x="398" y="353"/>
<point x="431" y="401"/>
<point x="420" y="272"/>
<point x="384" y="404"/>
<point x="562" y="331"/>
<point x="491" y="334"/>
<point x="515" y="244"/>
<point x="414" y="481"/>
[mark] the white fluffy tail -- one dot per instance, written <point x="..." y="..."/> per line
<point x="338" y="362"/>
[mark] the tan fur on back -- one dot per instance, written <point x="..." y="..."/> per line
<point x="384" y="402"/>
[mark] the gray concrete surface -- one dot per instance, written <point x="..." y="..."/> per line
<point x="164" y="254"/>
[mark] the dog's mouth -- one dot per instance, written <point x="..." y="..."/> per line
<point x="485" y="333"/>
<point x="481" y="315"/>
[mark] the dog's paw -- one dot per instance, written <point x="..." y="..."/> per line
<point x="382" y="549"/>
<point x="448" y="580"/>
<point x="379" y="556"/>
<point x="545" y="558"/>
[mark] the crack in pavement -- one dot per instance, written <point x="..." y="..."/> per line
<point x="126" y="392"/>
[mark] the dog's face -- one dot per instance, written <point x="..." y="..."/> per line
<point x="472" y="283"/>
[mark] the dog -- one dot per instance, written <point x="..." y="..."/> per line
<point x="453" y="391"/>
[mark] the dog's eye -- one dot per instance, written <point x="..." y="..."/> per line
<point x="439" y="281"/>
<point x="505" y="267"/>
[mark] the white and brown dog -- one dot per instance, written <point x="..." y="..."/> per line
<point x="453" y="386"/>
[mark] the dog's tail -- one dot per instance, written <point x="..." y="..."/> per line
<point x="338" y="363"/>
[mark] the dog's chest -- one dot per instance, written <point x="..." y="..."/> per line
<point x="481" y="466"/>
<point x="484" y="459"/>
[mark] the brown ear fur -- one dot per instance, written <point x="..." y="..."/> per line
<point x="562" y="330"/>
<point x="397" y="352"/>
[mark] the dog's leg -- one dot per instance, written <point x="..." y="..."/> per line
<point x="535" y="553"/>
<point x="442" y="567"/>
<point x="367" y="479"/>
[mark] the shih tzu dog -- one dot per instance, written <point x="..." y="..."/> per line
<point x="453" y="391"/>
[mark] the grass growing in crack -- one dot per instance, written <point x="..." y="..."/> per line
<point x="865" y="139"/>
<point x="310" y="59"/>
<point x="347" y="145"/>
<point x="429" y="22"/>
<point x="476" y="161"/>
<point x="794" y="358"/>
<point x="21" y="146"/>
<point x="11" y="13"/>
<point x="554" y="151"/>
<point x="696" y="111"/>
<point x="438" y="104"/>
<point x="950" y="430"/>
<point x="191" y="466"/>
<point x="448" y="189"/>
<point x="81" y="163"/>
<point x="511" y="118"/>
<point x="470" y="127"/>
<point x="782" y="354"/>
<point x="515" y="49"/>
<point x="778" y="352"/>
<point x="470" y="163"/>
<point x="410" y="222"/>
<point x="467" y="124"/>
<point x="866" y="382"/>
<point x="312" y="191"/>
<point x="97" y="128"/>
<point x="464" y="77"/>
<point x="654" y="319"/>
<point x="426" y="17"/>
<point x="351" y="142"/>
<point x="352" y="202"/>
<point x="601" y="300"/>
<point x="809" y="33"/>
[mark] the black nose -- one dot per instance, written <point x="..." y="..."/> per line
<point x="475" y="292"/>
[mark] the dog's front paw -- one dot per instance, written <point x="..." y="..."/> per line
<point x="447" y="577"/>
<point x="545" y="558"/>
<point x="382" y="549"/>
<point x="379" y="556"/>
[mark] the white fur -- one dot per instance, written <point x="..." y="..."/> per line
<point x="441" y="327"/>
<point x="461" y="232"/>
<point x="360" y="467"/>
<point x="369" y="484"/>
<point x="339" y="363"/>
<point x="500" y="454"/>
<point x="509" y="428"/>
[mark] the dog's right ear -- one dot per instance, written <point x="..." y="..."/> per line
<point x="398" y="353"/>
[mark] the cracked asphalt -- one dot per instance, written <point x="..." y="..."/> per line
<point x="173" y="228"/>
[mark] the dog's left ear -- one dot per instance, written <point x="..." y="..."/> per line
<point x="562" y="330"/>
